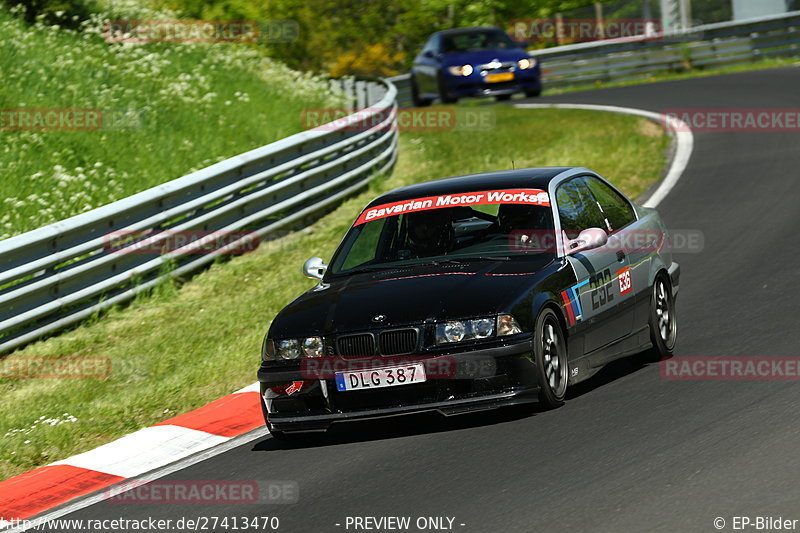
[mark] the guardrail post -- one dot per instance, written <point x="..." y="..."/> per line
<point x="370" y="94"/>
<point x="349" y="91"/>
<point x="361" y="94"/>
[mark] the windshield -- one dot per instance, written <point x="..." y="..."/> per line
<point x="479" y="40"/>
<point x="494" y="231"/>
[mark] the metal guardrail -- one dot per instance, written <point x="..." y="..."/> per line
<point x="710" y="45"/>
<point x="59" y="274"/>
<point x="403" y="84"/>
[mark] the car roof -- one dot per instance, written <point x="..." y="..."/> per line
<point x="522" y="178"/>
<point x="459" y="31"/>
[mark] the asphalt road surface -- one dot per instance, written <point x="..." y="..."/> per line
<point x="629" y="451"/>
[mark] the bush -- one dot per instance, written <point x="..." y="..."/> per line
<point x="69" y="13"/>
<point x="370" y="61"/>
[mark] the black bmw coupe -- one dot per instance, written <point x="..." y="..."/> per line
<point x="471" y="293"/>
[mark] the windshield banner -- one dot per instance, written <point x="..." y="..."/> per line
<point x="506" y="196"/>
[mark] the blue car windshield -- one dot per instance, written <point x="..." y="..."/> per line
<point x="478" y="40"/>
<point x="496" y="231"/>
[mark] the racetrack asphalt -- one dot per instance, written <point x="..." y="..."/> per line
<point x="629" y="451"/>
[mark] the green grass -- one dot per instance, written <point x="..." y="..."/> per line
<point x="180" y="348"/>
<point x="167" y="109"/>
<point x="675" y="76"/>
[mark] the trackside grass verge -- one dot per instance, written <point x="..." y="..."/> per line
<point x="181" y="347"/>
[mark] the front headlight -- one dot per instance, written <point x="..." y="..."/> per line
<point x="525" y="64"/>
<point x="452" y="331"/>
<point x="313" y="347"/>
<point x="483" y="328"/>
<point x="464" y="330"/>
<point x="287" y="349"/>
<point x="507" y="325"/>
<point x="461" y="70"/>
<point x="290" y="349"/>
<point x="267" y="350"/>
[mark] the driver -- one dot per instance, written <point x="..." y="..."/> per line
<point x="430" y="233"/>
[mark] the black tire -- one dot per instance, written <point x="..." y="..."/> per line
<point x="663" y="319"/>
<point x="550" y="353"/>
<point x="533" y="93"/>
<point x="415" y="98"/>
<point x="443" y="96"/>
<point x="503" y="97"/>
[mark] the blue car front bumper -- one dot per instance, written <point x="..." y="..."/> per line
<point x="476" y="85"/>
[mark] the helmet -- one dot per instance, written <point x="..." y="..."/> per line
<point x="430" y="233"/>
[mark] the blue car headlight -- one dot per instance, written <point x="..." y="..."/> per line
<point x="525" y="64"/>
<point x="460" y="70"/>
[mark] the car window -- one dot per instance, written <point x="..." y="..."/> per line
<point x="577" y="209"/>
<point x="477" y="40"/>
<point x="445" y="233"/>
<point x="617" y="210"/>
<point x="365" y="247"/>
<point x="432" y="45"/>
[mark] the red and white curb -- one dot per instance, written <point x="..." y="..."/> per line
<point x="133" y="455"/>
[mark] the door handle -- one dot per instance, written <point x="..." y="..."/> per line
<point x="620" y="255"/>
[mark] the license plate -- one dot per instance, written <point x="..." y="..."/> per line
<point x="499" y="76"/>
<point x="376" y="378"/>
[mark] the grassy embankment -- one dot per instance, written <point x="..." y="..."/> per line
<point x="166" y="109"/>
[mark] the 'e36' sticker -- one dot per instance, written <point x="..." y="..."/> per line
<point x="625" y="283"/>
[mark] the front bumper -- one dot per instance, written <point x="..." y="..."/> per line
<point x="476" y="86"/>
<point x="509" y="378"/>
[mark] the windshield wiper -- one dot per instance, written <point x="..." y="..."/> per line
<point x="462" y="259"/>
<point x="363" y="270"/>
<point x="433" y="262"/>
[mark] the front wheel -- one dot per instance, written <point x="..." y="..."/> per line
<point x="550" y="352"/>
<point x="443" y="95"/>
<point x="663" y="320"/>
<point x="415" y="97"/>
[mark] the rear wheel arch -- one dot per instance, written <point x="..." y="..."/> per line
<point x="657" y="266"/>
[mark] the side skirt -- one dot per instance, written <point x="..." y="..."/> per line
<point x="585" y="367"/>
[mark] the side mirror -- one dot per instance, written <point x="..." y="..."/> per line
<point x="428" y="53"/>
<point x="523" y="44"/>
<point x="314" y="268"/>
<point x="587" y="239"/>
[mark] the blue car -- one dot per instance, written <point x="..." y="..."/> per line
<point x="473" y="62"/>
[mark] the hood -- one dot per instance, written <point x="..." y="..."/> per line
<point x="409" y="295"/>
<point x="477" y="57"/>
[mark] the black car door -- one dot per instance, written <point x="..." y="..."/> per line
<point x="635" y="238"/>
<point x="597" y="300"/>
